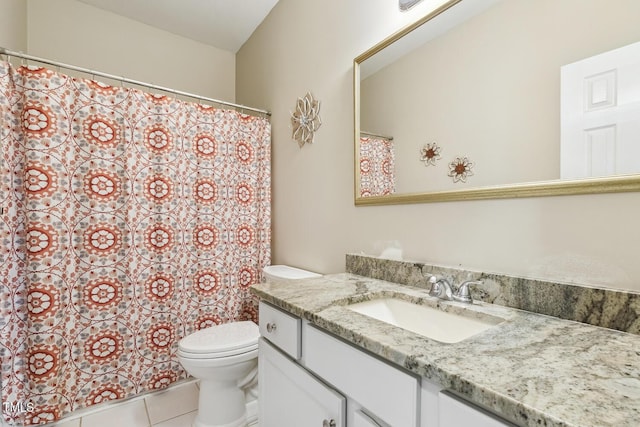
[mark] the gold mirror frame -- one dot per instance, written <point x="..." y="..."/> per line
<point x="615" y="184"/>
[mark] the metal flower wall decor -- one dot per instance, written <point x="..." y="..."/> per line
<point x="306" y="119"/>
<point x="460" y="169"/>
<point x="430" y="153"/>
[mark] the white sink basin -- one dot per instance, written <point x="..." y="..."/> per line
<point x="428" y="321"/>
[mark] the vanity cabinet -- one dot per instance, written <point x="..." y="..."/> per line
<point x="384" y="393"/>
<point x="291" y="397"/>
<point x="308" y="377"/>
<point x="361" y="419"/>
<point x="455" y="412"/>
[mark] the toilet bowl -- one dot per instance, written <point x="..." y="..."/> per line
<point x="225" y="360"/>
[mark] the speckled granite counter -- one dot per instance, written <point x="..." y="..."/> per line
<point x="531" y="369"/>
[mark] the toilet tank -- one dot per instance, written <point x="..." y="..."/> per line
<point x="285" y="272"/>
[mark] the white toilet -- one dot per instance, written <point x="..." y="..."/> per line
<point x="225" y="360"/>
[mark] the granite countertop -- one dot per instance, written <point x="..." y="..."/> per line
<point x="531" y="369"/>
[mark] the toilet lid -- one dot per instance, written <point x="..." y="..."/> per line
<point x="229" y="338"/>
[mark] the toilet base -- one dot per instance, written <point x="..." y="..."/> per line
<point x="249" y="420"/>
<point x="240" y="422"/>
<point x="221" y="404"/>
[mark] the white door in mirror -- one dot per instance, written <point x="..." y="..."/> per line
<point x="600" y="115"/>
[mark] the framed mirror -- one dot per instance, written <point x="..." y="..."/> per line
<point x="501" y="98"/>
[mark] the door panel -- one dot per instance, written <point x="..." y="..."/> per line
<point x="600" y="115"/>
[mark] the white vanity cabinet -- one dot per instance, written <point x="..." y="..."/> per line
<point x="383" y="392"/>
<point x="455" y="412"/>
<point x="308" y="377"/>
<point x="361" y="419"/>
<point x="291" y="397"/>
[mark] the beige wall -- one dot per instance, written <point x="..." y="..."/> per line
<point x="13" y="25"/>
<point x="307" y="45"/>
<point x="75" y="33"/>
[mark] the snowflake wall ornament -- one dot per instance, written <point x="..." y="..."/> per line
<point x="430" y="153"/>
<point x="306" y="119"/>
<point x="460" y="169"/>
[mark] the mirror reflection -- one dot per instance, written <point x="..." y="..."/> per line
<point x="500" y="92"/>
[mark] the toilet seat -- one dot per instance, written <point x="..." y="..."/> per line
<point x="225" y="340"/>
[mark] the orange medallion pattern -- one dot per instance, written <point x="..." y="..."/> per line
<point x="130" y="221"/>
<point x="377" y="166"/>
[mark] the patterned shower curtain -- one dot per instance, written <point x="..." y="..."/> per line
<point x="377" y="166"/>
<point x="130" y="220"/>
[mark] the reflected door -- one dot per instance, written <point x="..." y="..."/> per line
<point x="600" y="115"/>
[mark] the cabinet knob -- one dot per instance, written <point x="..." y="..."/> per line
<point x="329" y="423"/>
<point x="271" y="327"/>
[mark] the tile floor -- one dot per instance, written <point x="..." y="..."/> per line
<point x="174" y="407"/>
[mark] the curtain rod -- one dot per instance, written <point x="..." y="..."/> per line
<point x="389" y="138"/>
<point x="9" y="53"/>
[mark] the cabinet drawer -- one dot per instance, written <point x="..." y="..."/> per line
<point x="387" y="392"/>
<point x="281" y="328"/>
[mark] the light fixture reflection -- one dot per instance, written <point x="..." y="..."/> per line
<point x="407" y="4"/>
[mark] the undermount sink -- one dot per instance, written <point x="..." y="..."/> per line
<point x="431" y="322"/>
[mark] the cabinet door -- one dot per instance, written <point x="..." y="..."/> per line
<point x="454" y="412"/>
<point x="292" y="397"/>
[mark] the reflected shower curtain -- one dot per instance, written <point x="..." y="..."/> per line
<point x="377" y="166"/>
<point x="130" y="220"/>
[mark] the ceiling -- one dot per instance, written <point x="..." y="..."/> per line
<point x="225" y="24"/>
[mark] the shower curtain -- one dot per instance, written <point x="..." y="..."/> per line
<point x="377" y="166"/>
<point x="130" y="220"/>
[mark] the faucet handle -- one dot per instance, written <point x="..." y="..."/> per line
<point x="440" y="288"/>
<point x="463" y="294"/>
<point x="435" y="286"/>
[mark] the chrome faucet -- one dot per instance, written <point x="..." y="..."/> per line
<point x="442" y="289"/>
<point x="463" y="294"/>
